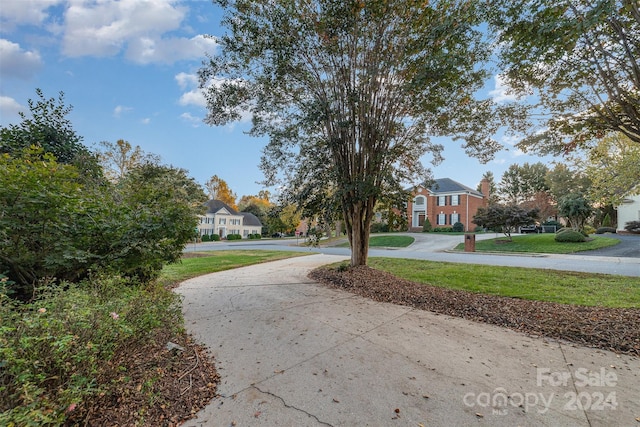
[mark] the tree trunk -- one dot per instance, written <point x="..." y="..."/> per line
<point x="358" y="217"/>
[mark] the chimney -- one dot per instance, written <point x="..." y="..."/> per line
<point x="485" y="189"/>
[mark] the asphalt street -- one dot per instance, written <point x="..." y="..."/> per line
<point x="434" y="247"/>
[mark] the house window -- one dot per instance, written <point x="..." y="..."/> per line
<point x="442" y="200"/>
<point x="442" y="219"/>
<point x="455" y="217"/>
<point x="419" y="201"/>
<point x="455" y="200"/>
<point x="223" y="221"/>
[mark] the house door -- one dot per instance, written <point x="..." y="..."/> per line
<point x="421" y="217"/>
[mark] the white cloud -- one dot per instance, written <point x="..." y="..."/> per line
<point x="147" y="50"/>
<point x="500" y="161"/>
<point x="186" y="80"/>
<point x="145" y="121"/>
<point x="16" y="62"/>
<point x="193" y="97"/>
<point x="21" y="12"/>
<point x="117" y="112"/>
<point x="9" y="109"/>
<point x="191" y="119"/>
<point x="107" y="28"/>
<point x="502" y="93"/>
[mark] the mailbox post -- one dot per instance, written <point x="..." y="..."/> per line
<point x="469" y="242"/>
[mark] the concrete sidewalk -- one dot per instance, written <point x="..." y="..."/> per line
<point x="291" y="352"/>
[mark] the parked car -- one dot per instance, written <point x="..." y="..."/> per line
<point x="531" y="228"/>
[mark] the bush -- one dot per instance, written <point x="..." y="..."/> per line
<point x="633" y="227"/>
<point x="206" y="238"/>
<point x="588" y="230"/>
<point x="458" y="227"/>
<point x="479" y="229"/>
<point x="442" y="229"/>
<point x="561" y="229"/>
<point x="234" y="237"/>
<point x="56" y="350"/>
<point x="379" y="227"/>
<point x="427" y="227"/>
<point x="255" y="236"/>
<point x="570" y="236"/>
<point x="603" y="230"/>
<point x="606" y="221"/>
<point x="215" y="237"/>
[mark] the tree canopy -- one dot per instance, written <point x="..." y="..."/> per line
<point x="348" y="93"/>
<point x="118" y="158"/>
<point x="581" y="58"/>
<point x="218" y="189"/>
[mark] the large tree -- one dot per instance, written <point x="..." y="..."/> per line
<point x="520" y="183"/>
<point x="218" y="189"/>
<point x="348" y="92"/>
<point x="48" y="127"/>
<point x="581" y="58"/>
<point x="118" y="158"/>
<point x="614" y="169"/>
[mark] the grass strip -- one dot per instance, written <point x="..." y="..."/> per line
<point x="563" y="287"/>
<point x="540" y="243"/>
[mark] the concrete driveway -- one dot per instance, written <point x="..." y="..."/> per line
<point x="291" y="352"/>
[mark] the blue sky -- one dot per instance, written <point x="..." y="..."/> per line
<point x="129" y="69"/>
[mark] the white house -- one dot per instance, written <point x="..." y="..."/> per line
<point x="628" y="210"/>
<point x="223" y="220"/>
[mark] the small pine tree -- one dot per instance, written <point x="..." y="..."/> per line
<point x="606" y="221"/>
<point x="427" y="227"/>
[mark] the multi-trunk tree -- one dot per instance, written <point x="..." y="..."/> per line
<point x="348" y="92"/>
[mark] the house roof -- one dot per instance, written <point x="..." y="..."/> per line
<point x="214" y="206"/>
<point x="447" y="185"/>
<point x="250" y="219"/>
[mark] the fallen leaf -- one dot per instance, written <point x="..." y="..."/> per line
<point x="397" y="411"/>
<point x="336" y="400"/>
<point x="278" y="372"/>
<point x="479" y="415"/>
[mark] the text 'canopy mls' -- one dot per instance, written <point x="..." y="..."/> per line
<point x="349" y="92"/>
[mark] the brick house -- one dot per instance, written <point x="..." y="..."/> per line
<point x="445" y="203"/>
<point x="223" y="220"/>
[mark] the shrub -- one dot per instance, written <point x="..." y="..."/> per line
<point x="55" y="349"/>
<point x="633" y="227"/>
<point x="443" y="229"/>
<point x="479" y="229"/>
<point x="561" y="229"/>
<point x="602" y="230"/>
<point x="588" y="230"/>
<point x="206" y="238"/>
<point x="215" y="237"/>
<point x="458" y="227"/>
<point x="606" y="221"/>
<point x="570" y="236"/>
<point x="234" y="237"/>
<point x="255" y="236"/>
<point x="379" y="227"/>
<point x="427" y="227"/>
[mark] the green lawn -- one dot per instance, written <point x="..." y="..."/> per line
<point x="199" y="263"/>
<point x="527" y="283"/>
<point x="540" y="243"/>
<point x="386" y="241"/>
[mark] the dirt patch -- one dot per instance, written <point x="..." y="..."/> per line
<point x="614" y="329"/>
